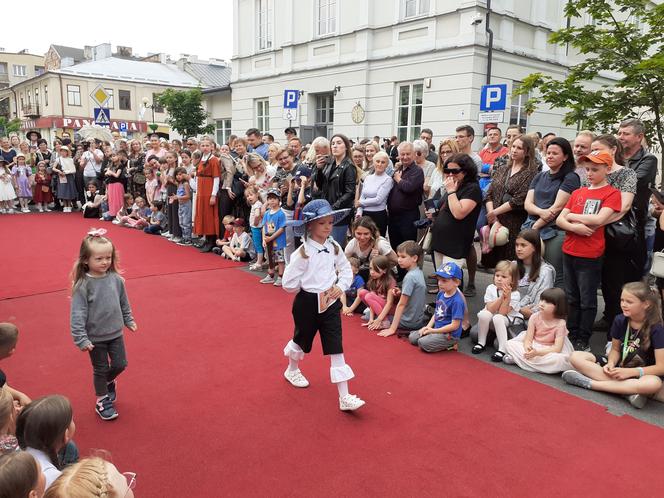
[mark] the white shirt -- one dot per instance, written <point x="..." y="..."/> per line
<point x="50" y="471"/>
<point x="318" y="272"/>
<point x="93" y="162"/>
<point x="491" y="294"/>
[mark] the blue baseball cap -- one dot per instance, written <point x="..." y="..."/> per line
<point x="450" y="270"/>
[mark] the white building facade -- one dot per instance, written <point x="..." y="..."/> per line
<point x="408" y="64"/>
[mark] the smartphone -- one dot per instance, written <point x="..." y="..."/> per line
<point x="658" y="195"/>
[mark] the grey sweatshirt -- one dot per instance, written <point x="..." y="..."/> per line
<point x="99" y="310"/>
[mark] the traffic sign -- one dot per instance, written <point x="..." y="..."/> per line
<point x="102" y="116"/>
<point x="100" y="95"/>
<point x="291" y="98"/>
<point x="490" y="117"/>
<point x="493" y="97"/>
<point x="122" y="126"/>
<point x="290" y="114"/>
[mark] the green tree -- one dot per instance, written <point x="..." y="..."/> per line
<point x="625" y="38"/>
<point x="8" y="126"/>
<point x="186" y="112"/>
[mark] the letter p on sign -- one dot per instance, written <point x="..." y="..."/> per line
<point x="493" y="97"/>
<point x="290" y="99"/>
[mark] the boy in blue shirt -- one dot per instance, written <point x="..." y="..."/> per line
<point x="274" y="237"/>
<point x="443" y="331"/>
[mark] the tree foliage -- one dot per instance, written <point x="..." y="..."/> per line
<point x="186" y="112"/>
<point x="8" y="126"/>
<point x="624" y="39"/>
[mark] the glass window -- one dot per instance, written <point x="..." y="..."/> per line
<point x="223" y="130"/>
<point x="19" y="70"/>
<point x="3" y="68"/>
<point x="264" y="8"/>
<point x="518" y="107"/>
<point x="327" y="17"/>
<point x="414" y="8"/>
<point x="409" y="114"/>
<point x="155" y="102"/>
<point x="110" y="103"/>
<point x="263" y="115"/>
<point x="325" y="108"/>
<point x="125" y="100"/>
<point x="39" y="70"/>
<point x="45" y="95"/>
<point x="73" y="95"/>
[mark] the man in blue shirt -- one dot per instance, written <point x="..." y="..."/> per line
<point x="255" y="139"/>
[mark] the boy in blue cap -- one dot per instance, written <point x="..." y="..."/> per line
<point x="443" y="331"/>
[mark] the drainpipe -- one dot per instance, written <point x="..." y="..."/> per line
<point x="489" y="31"/>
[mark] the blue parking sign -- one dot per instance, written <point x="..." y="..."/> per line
<point x="291" y="98"/>
<point x="493" y="97"/>
<point x="123" y="126"/>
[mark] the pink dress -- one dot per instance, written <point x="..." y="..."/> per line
<point x="545" y="336"/>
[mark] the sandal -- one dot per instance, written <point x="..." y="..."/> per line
<point x="498" y="357"/>
<point x="478" y="348"/>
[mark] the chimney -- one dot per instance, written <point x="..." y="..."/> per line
<point x="192" y="58"/>
<point x="88" y="53"/>
<point x="102" y="51"/>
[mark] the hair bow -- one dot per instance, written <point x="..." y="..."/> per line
<point x="97" y="232"/>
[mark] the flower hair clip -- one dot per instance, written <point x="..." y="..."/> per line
<point x="97" y="232"/>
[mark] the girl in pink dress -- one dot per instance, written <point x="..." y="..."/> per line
<point x="544" y="347"/>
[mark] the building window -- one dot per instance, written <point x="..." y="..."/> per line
<point x="327" y="17"/>
<point x="45" y="95"/>
<point x="73" y="95"/>
<point x="155" y="102"/>
<point x="29" y="93"/>
<point x="409" y="119"/>
<point x="110" y="103"/>
<point x="3" y="68"/>
<point x="518" y="107"/>
<point x="263" y="115"/>
<point x="19" y="70"/>
<point x="39" y="70"/>
<point x="264" y="24"/>
<point x="325" y="108"/>
<point x="414" y="8"/>
<point x="37" y="96"/>
<point x="125" y="100"/>
<point x="223" y="130"/>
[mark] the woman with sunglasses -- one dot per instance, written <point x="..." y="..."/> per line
<point x="434" y="183"/>
<point x="93" y="477"/>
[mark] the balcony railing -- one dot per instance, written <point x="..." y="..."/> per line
<point x="31" y="111"/>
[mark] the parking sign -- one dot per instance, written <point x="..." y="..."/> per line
<point x="493" y="97"/>
<point x="291" y="98"/>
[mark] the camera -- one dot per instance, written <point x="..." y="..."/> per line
<point x="476" y="20"/>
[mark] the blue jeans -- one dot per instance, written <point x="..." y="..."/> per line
<point x="153" y="229"/>
<point x="582" y="277"/>
<point x="339" y="234"/>
<point x="184" y="218"/>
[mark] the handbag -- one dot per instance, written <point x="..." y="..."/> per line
<point x="657" y="269"/>
<point x="425" y="241"/>
<point x="621" y="234"/>
<point x="45" y="189"/>
<point x="516" y="326"/>
<point x="139" y="178"/>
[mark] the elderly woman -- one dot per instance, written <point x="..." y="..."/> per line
<point x="547" y="195"/>
<point x="506" y="197"/>
<point x="335" y="179"/>
<point x="371" y="149"/>
<point x="375" y="191"/>
<point x="421" y="149"/>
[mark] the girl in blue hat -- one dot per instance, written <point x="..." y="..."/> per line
<point x="320" y="273"/>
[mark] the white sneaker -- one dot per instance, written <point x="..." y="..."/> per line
<point x="166" y="234"/>
<point x="277" y="282"/>
<point x="41" y="210"/>
<point x="350" y="403"/>
<point x="47" y="210"/>
<point x="296" y="378"/>
<point x="267" y="279"/>
<point x="25" y="210"/>
<point x="116" y="222"/>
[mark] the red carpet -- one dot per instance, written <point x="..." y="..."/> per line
<point x="205" y="412"/>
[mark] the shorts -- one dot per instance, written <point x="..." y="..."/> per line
<point x="278" y="256"/>
<point x="308" y="322"/>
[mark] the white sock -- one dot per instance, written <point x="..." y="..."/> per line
<point x="337" y="361"/>
<point x="292" y="364"/>
<point x="343" y="388"/>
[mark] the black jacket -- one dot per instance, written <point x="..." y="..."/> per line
<point x="645" y="166"/>
<point x="336" y="184"/>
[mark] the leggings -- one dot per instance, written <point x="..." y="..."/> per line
<point x="500" y="322"/>
<point x="372" y="300"/>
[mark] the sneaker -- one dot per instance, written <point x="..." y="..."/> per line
<point x="581" y="345"/>
<point x="255" y="267"/>
<point x="116" y="222"/>
<point x="105" y="409"/>
<point x="47" y="210"/>
<point x="350" y="402"/>
<point x="470" y="291"/>
<point x="41" y="210"/>
<point x="267" y="279"/>
<point x="217" y="251"/>
<point x="184" y="242"/>
<point x="277" y="282"/>
<point x="112" y="392"/>
<point x="176" y="239"/>
<point x="25" y="210"/>
<point x="508" y="359"/>
<point x="637" y="400"/>
<point x="166" y="234"/>
<point x="366" y="314"/>
<point x="575" y="378"/>
<point x="296" y="378"/>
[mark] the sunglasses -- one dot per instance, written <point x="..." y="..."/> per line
<point x="452" y="171"/>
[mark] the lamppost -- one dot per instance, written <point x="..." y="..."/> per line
<point x="146" y="104"/>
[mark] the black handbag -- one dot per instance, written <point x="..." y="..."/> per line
<point x="621" y="234"/>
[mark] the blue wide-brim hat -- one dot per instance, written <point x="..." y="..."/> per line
<point x="316" y="209"/>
